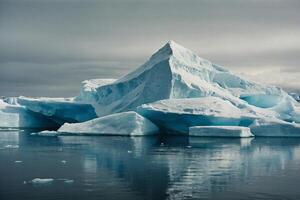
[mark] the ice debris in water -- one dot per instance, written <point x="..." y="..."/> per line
<point x="10" y="146"/>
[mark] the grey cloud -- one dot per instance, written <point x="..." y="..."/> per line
<point x="57" y="44"/>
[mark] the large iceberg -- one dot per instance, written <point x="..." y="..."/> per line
<point x="16" y="116"/>
<point x="60" y="110"/>
<point x="175" y="89"/>
<point x="175" y="72"/>
<point x="126" y="123"/>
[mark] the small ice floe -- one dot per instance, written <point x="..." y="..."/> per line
<point x="188" y="146"/>
<point x="129" y="151"/>
<point x="9" y="129"/>
<point x="63" y="161"/>
<point x="10" y="146"/>
<point x="40" y="181"/>
<point x="162" y="144"/>
<point x="18" y="161"/>
<point x="67" y="181"/>
<point x="46" y="133"/>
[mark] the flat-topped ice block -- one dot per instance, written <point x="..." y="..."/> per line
<point x="220" y="131"/>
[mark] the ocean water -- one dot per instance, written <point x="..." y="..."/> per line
<point x="147" y="167"/>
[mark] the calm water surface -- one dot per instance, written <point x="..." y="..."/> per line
<point x="148" y="167"/>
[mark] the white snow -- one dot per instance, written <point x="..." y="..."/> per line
<point x="60" y="110"/>
<point x="220" y="131"/>
<point x="126" y="123"/>
<point x="16" y="116"/>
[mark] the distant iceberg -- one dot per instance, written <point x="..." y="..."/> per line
<point x="176" y="90"/>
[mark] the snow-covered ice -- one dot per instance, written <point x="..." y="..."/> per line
<point x="126" y="123"/>
<point x="220" y="131"/>
<point x="177" y="115"/>
<point x="60" y="110"/>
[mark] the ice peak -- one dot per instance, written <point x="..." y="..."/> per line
<point x="173" y="46"/>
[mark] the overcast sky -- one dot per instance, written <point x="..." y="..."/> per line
<point x="47" y="47"/>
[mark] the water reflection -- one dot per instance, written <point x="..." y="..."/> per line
<point x="151" y="167"/>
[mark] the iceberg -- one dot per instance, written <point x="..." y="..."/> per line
<point x="175" y="89"/>
<point x="125" y="124"/>
<point x="220" y="131"/>
<point x="60" y="110"/>
<point x="16" y="116"/>
<point x="175" y="72"/>
<point x="177" y="115"/>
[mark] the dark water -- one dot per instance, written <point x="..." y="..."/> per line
<point x="148" y="167"/>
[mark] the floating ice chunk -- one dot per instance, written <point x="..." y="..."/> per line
<point x="63" y="162"/>
<point x="10" y="146"/>
<point x="41" y="181"/>
<point x="46" y="133"/>
<point x="275" y="128"/>
<point x="69" y="181"/>
<point x="16" y="116"/>
<point x="177" y="115"/>
<point x="220" y="131"/>
<point x="18" y="161"/>
<point x="126" y="123"/>
<point x="60" y="110"/>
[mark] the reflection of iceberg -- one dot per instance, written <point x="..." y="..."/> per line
<point x="159" y="168"/>
<point x="173" y="168"/>
<point x="232" y="164"/>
